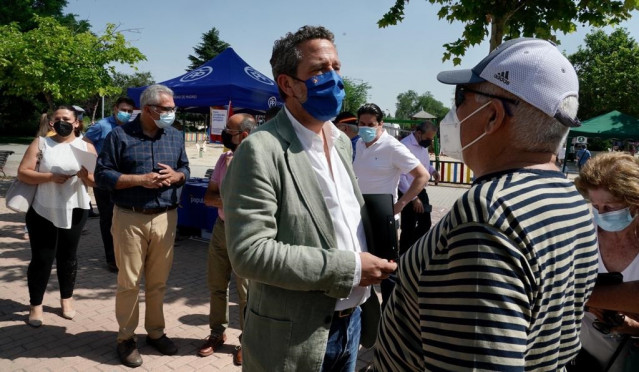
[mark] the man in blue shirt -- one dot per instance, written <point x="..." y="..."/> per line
<point x="583" y="155"/>
<point x="143" y="164"/>
<point x="95" y="135"/>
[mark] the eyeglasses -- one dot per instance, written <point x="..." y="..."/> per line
<point x="166" y="109"/>
<point x="611" y="320"/>
<point x="232" y="132"/>
<point x="461" y="90"/>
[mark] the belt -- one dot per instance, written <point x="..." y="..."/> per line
<point x="345" y="313"/>
<point x="148" y="210"/>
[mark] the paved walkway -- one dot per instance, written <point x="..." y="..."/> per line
<point x="87" y="343"/>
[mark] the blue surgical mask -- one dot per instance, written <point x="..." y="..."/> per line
<point x="324" y="95"/>
<point x="368" y="134"/>
<point x="613" y="221"/>
<point x="166" y="120"/>
<point x="123" y="116"/>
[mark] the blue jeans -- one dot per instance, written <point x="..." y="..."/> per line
<point x="343" y="343"/>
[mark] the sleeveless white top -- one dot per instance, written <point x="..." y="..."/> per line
<point x="601" y="346"/>
<point x="54" y="201"/>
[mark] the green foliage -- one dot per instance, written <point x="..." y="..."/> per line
<point x="410" y="103"/>
<point x="356" y="94"/>
<point x="22" y="12"/>
<point x="515" y="18"/>
<point x="63" y="65"/>
<point x="608" y="70"/>
<point x="209" y="48"/>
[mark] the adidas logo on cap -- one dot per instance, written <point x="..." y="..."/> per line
<point x="503" y="77"/>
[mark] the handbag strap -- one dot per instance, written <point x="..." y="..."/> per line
<point x="40" y="153"/>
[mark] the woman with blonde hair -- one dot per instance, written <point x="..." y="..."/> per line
<point x="610" y="181"/>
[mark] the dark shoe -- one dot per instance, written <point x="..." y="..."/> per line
<point x="163" y="344"/>
<point x="129" y="354"/>
<point x="93" y="214"/>
<point x="210" y="344"/>
<point x="112" y="267"/>
<point x="237" y="356"/>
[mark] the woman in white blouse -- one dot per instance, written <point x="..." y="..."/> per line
<point x="59" y="209"/>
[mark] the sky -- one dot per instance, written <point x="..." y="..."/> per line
<point x="392" y="60"/>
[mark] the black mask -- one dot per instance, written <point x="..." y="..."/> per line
<point x="227" y="141"/>
<point x="63" y="128"/>
<point x="425" y="143"/>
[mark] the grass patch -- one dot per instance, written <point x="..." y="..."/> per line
<point x="24" y="140"/>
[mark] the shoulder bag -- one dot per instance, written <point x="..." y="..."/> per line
<point x="20" y="195"/>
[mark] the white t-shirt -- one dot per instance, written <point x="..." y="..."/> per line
<point x="379" y="166"/>
<point x="601" y="346"/>
<point x="54" y="201"/>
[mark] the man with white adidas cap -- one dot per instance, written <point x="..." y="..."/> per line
<point x="501" y="281"/>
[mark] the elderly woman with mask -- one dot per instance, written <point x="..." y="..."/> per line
<point x="610" y="182"/>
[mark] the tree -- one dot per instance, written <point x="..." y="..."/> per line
<point x="409" y="103"/>
<point x="608" y="73"/>
<point x="515" y="18"/>
<point x="209" y="48"/>
<point x="356" y="94"/>
<point x="22" y="12"/>
<point x="59" y="63"/>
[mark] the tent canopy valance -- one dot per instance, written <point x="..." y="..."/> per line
<point x="223" y="79"/>
<point x="614" y="124"/>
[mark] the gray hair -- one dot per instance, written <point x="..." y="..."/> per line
<point x="286" y="54"/>
<point x="151" y="95"/>
<point x="248" y="123"/>
<point x="533" y="129"/>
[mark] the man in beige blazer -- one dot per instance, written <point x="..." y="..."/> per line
<point x="294" y="224"/>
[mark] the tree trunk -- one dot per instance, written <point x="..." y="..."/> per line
<point x="496" y="32"/>
<point x="49" y="99"/>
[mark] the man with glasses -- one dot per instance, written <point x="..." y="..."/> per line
<point x="237" y="129"/>
<point x="143" y="165"/>
<point x="500" y="283"/>
<point x="96" y="134"/>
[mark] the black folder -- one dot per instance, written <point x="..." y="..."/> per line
<point x="379" y="208"/>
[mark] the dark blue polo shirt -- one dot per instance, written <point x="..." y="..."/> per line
<point x="127" y="150"/>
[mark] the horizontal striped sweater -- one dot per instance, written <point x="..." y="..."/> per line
<point x="498" y="284"/>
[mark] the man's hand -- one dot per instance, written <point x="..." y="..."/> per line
<point x="418" y="206"/>
<point x="154" y="180"/>
<point x="173" y="177"/>
<point x="375" y="269"/>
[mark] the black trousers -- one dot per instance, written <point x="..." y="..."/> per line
<point x="48" y="243"/>
<point x="414" y="225"/>
<point x="105" y="207"/>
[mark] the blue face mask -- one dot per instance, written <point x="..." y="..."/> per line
<point x="613" y="221"/>
<point x="123" y="116"/>
<point x="324" y="95"/>
<point x="368" y="134"/>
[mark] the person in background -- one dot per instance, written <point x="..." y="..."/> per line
<point x="143" y="164"/>
<point x="271" y="112"/>
<point x="610" y="181"/>
<point x="96" y="135"/>
<point x="501" y="282"/>
<point x="380" y="161"/>
<point x="58" y="212"/>
<point x="237" y="129"/>
<point x="415" y="218"/>
<point x="347" y="123"/>
<point x="79" y="133"/>
<point x="583" y="155"/>
<point x="293" y="223"/>
<point x="45" y="129"/>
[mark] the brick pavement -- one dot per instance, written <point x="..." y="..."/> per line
<point x="87" y="343"/>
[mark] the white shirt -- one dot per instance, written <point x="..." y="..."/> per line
<point x="379" y="166"/>
<point x="54" y="201"/>
<point x="340" y="199"/>
<point x="421" y="153"/>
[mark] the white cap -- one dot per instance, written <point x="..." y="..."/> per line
<point x="532" y="69"/>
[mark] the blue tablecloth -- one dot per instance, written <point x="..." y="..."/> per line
<point x="192" y="211"/>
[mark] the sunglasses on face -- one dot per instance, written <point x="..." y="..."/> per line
<point x="460" y="96"/>
<point x="165" y="109"/>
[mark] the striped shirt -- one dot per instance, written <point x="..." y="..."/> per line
<point x="499" y="283"/>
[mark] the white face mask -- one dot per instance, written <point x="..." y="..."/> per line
<point x="450" y="131"/>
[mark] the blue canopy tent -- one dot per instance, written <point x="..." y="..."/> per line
<point x="223" y="79"/>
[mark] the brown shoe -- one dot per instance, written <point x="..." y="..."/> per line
<point x="237" y="356"/>
<point x="210" y="344"/>
<point x="129" y="354"/>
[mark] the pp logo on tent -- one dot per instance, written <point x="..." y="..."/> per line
<point x="272" y="101"/>
<point x="250" y="71"/>
<point x="197" y="74"/>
